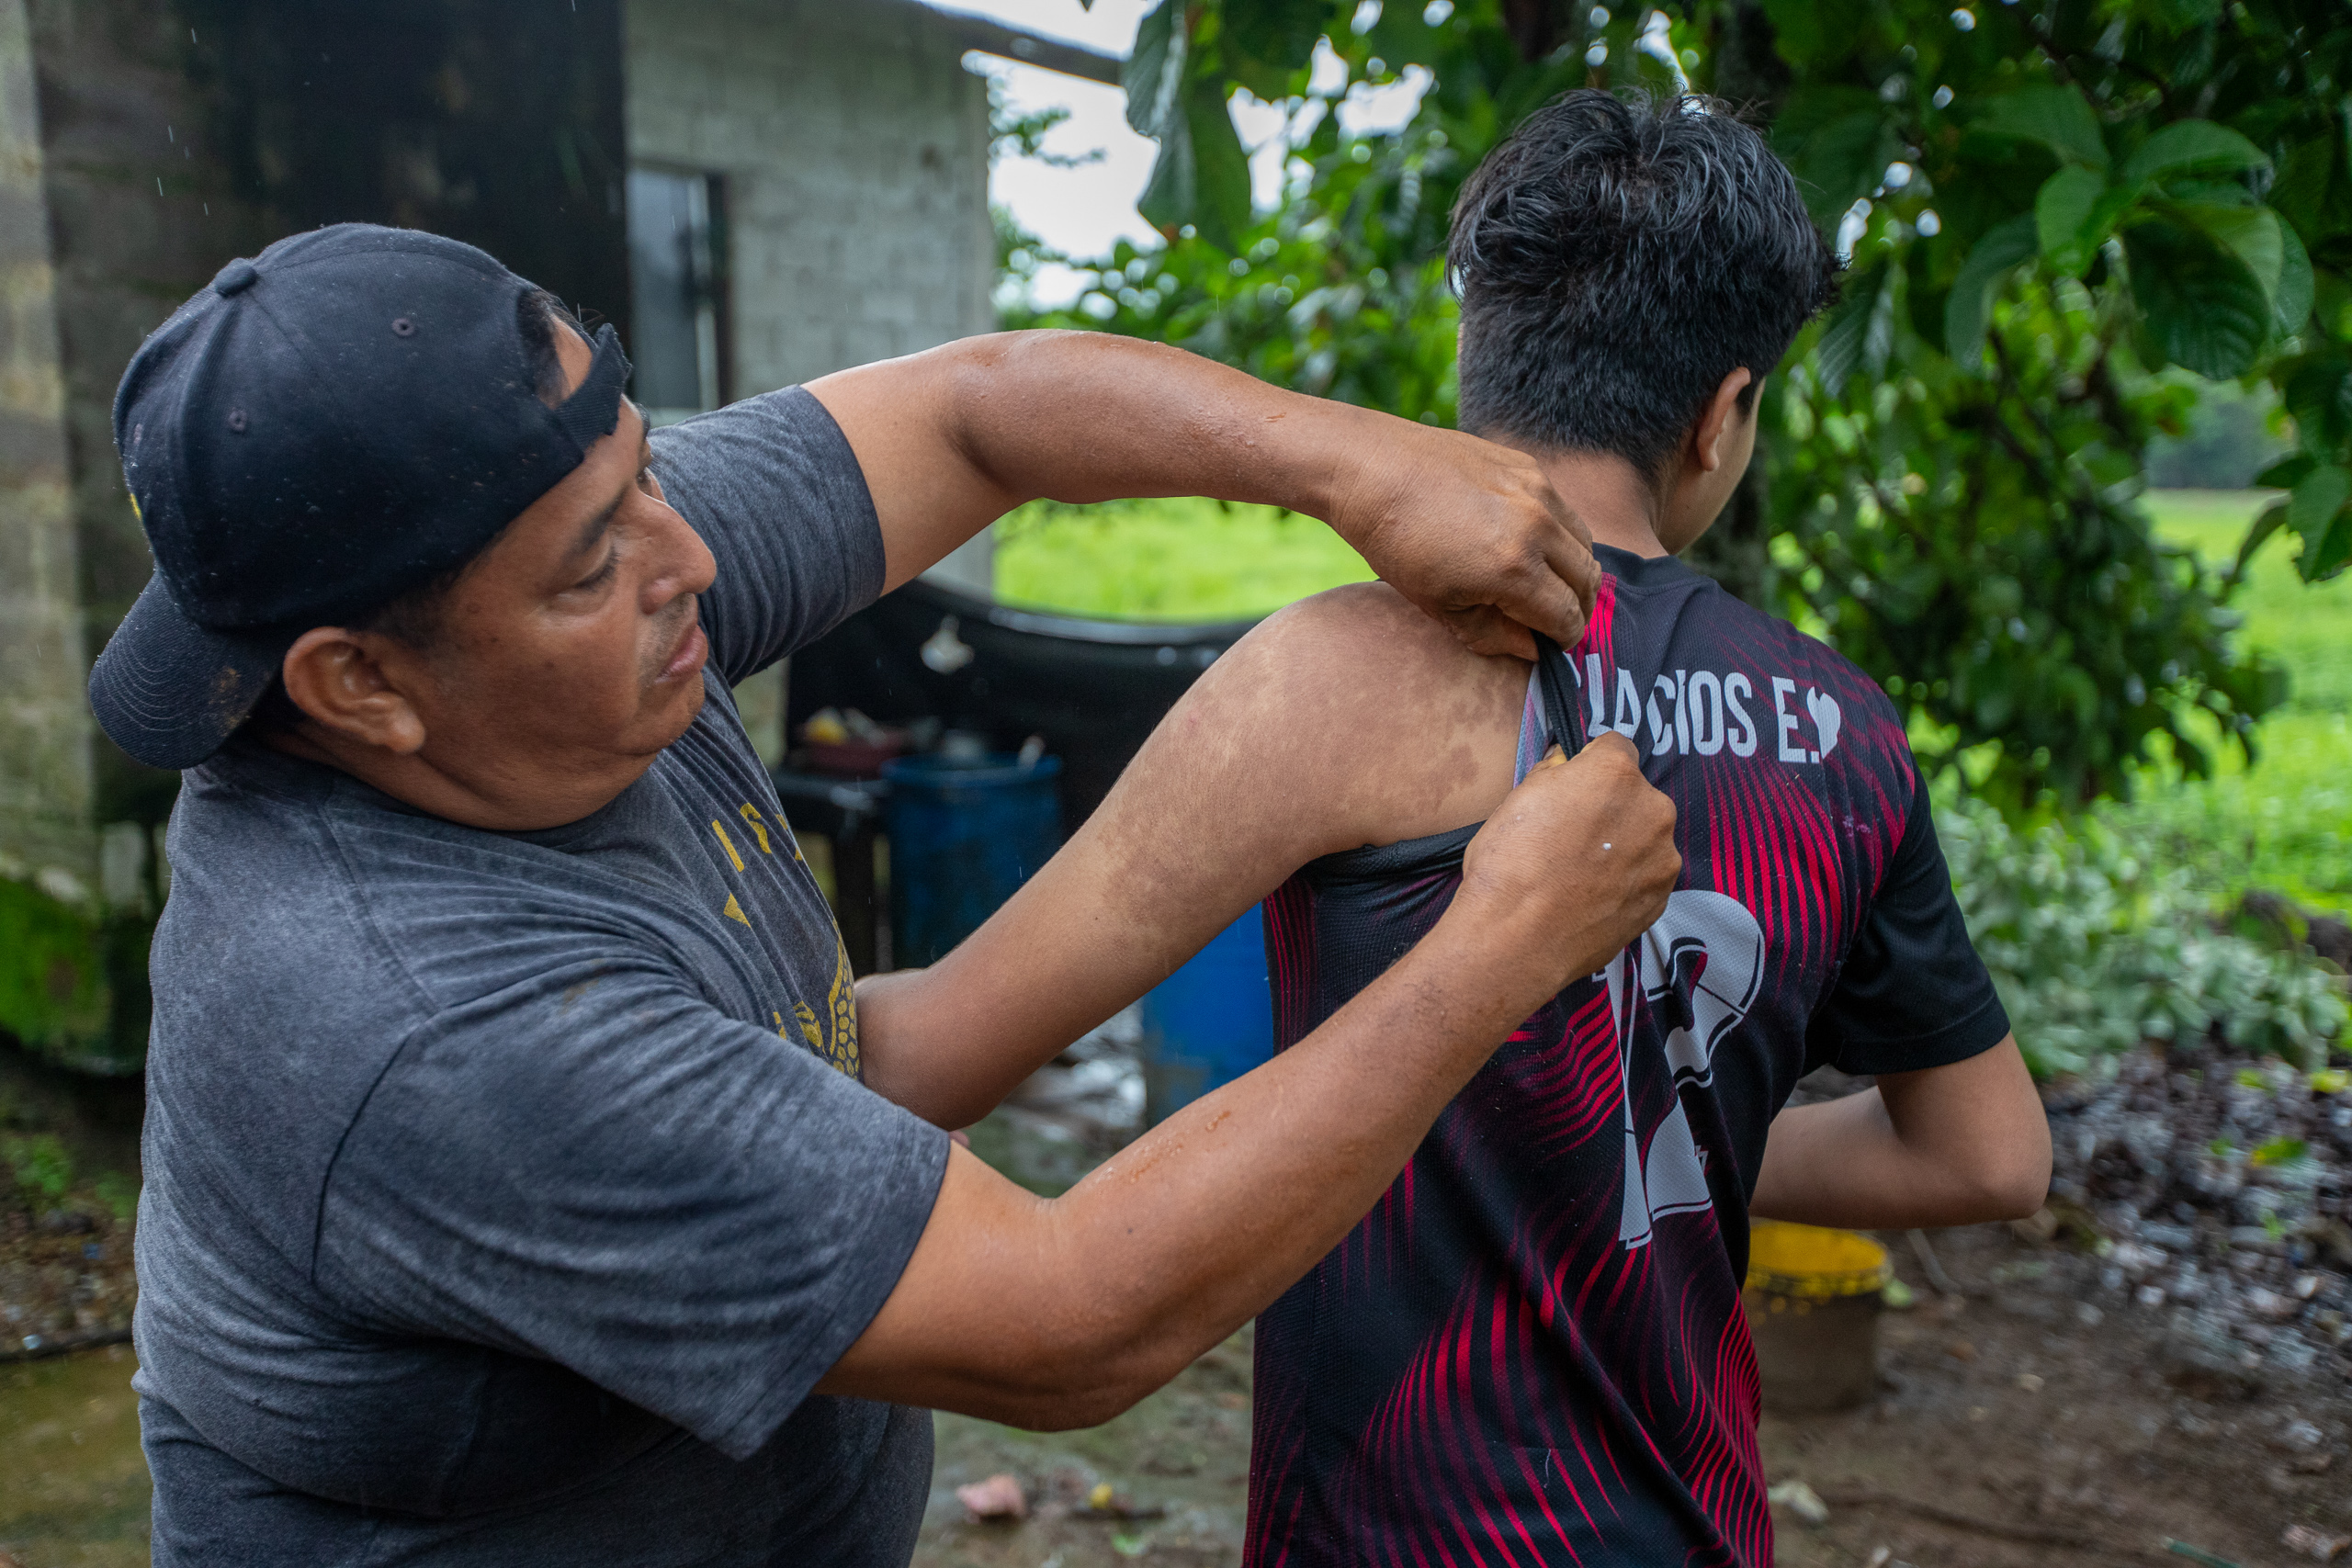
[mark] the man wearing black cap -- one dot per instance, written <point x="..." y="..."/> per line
<point x="513" y="1194"/>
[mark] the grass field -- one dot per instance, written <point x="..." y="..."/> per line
<point x="1183" y="560"/>
<point x="2286" y="823"/>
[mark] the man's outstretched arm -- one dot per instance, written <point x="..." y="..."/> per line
<point x="1064" y="1312"/>
<point x="955" y="437"/>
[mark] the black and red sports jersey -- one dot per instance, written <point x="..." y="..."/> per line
<point x="1532" y="1350"/>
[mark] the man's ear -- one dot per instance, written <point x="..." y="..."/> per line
<point x="341" y="679"/>
<point x="1721" y="418"/>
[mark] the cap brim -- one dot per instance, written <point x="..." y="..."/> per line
<point x="170" y="692"/>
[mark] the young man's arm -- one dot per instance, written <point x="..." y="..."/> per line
<point x="1941" y="1147"/>
<point x="954" y="438"/>
<point x="1062" y="1313"/>
<point x="1346" y="719"/>
<point x="1955" y="1132"/>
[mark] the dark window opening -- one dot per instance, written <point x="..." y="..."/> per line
<point x="676" y="254"/>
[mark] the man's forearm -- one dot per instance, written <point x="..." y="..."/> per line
<point x="951" y="439"/>
<point x="1174" y="1243"/>
<point x="1082" y="417"/>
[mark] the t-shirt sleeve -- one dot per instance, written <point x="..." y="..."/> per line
<point x="687" y="1210"/>
<point x="1912" y="993"/>
<point x="773" y="487"/>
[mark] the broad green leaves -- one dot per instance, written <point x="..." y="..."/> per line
<point x="2192" y="146"/>
<point x="2072" y="215"/>
<point x="2320" y="509"/>
<point x="2097" y="192"/>
<point x="1837" y="143"/>
<point x="1970" y="310"/>
<point x="2055" y="118"/>
<point x="1153" y="76"/>
<point x="2202" y="308"/>
<point x="1202" y="176"/>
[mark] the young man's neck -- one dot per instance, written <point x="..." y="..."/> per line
<point x="1610" y="495"/>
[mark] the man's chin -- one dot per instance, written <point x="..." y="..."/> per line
<point x="680" y="715"/>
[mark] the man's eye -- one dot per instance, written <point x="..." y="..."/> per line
<point x="604" y="573"/>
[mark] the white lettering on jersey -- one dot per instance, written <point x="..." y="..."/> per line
<point x="1706" y="713"/>
<point x="1698" y="968"/>
<point x="1700" y="712"/>
<point x="1743" y="744"/>
<point x="1782" y="690"/>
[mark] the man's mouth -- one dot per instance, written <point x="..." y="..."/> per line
<point x="693" y="648"/>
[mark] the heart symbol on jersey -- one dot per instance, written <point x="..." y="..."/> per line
<point x="1825" y="716"/>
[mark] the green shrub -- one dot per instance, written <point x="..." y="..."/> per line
<point x="42" y="1169"/>
<point x="53" y="971"/>
<point x="119" y="1193"/>
<point x="2095" y="951"/>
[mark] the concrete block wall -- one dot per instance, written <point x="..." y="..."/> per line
<point x="139" y="213"/>
<point x="854" y="149"/>
<point x="45" y="729"/>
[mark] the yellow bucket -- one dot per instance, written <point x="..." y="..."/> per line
<point x="1812" y="1303"/>
<point x="1811" y="1264"/>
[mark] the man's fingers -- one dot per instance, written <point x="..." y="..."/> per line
<point x="1484" y="630"/>
<point x="1550" y="602"/>
<point x="1555" y="758"/>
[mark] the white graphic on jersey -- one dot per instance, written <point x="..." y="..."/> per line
<point x="1825" y="717"/>
<point x="1698" y="968"/>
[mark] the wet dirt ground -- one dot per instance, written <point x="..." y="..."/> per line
<point x="2032" y="1418"/>
<point x="2051" y="1436"/>
<point x="2022" y="1423"/>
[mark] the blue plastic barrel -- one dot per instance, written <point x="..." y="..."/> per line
<point x="1210" y="1021"/>
<point x="963" y="836"/>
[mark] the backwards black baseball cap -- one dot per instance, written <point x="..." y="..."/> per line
<point x="343" y="418"/>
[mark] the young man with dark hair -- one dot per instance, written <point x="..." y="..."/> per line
<point x="1533" y="1350"/>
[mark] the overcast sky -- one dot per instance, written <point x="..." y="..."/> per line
<point x="1084" y="211"/>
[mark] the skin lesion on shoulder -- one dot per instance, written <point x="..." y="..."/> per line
<point x="1375" y="711"/>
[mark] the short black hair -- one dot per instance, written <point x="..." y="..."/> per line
<point x="1617" y="257"/>
<point x="414" y="617"/>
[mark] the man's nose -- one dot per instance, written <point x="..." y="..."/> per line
<point x="688" y="565"/>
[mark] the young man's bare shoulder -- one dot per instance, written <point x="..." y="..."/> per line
<point x="1404" y="731"/>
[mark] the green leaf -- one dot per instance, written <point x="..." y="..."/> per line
<point x="2256" y="535"/>
<point x="2291" y="301"/>
<point x="1153" y="76"/>
<point x="1969" y="311"/>
<point x="2061" y="218"/>
<point x="1843" y="162"/>
<point x="1402" y="37"/>
<point x="2279" y="1151"/>
<point x="1276" y="33"/>
<point x="2203" y="310"/>
<point x="2317" y="391"/>
<point x="2315" y="509"/>
<point x="1844" y="337"/>
<point x="2286" y="472"/>
<point x="2251" y="232"/>
<point x="2192" y="146"/>
<point x="1202" y="176"/>
<point x="2057" y="117"/>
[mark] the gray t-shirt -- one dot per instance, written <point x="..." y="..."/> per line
<point x="507" y="1192"/>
